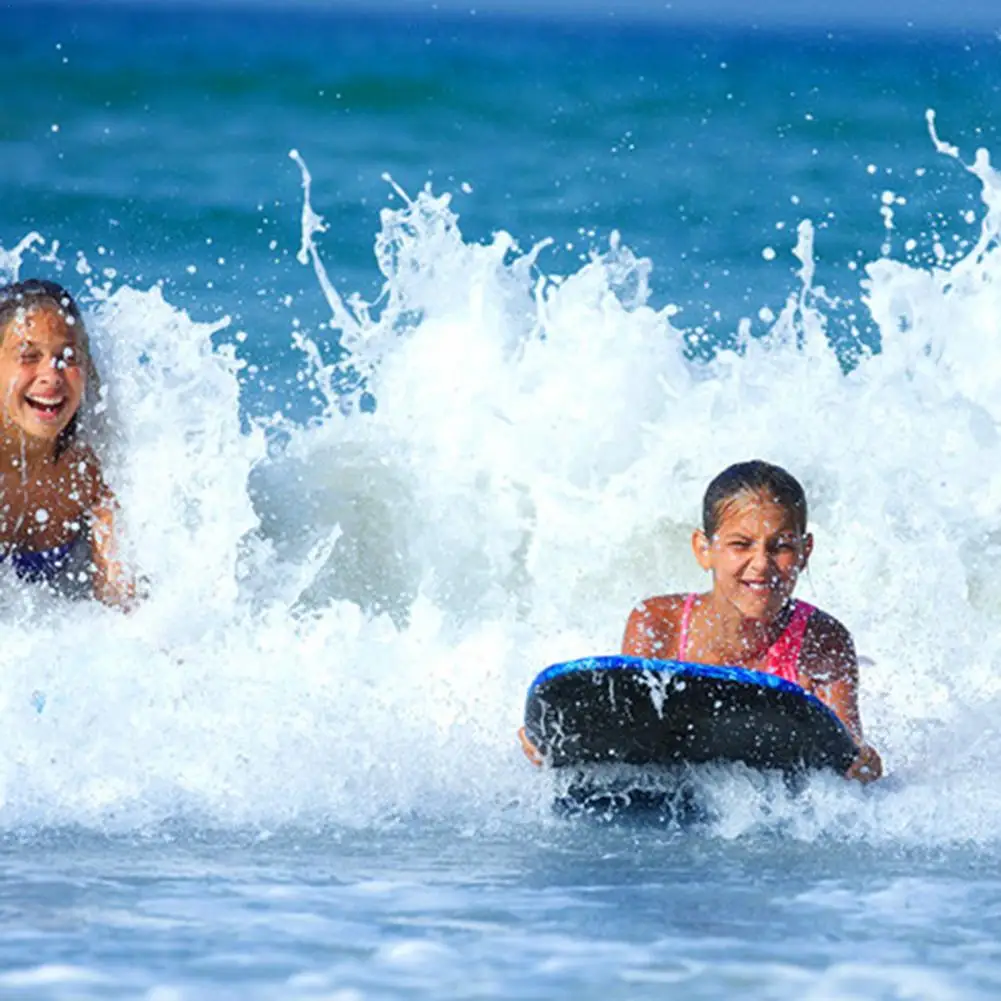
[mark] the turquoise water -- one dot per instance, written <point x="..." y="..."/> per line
<point x="162" y="137"/>
<point x="380" y="474"/>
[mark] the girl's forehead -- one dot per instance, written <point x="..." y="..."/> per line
<point x="41" y="324"/>
<point x="756" y="511"/>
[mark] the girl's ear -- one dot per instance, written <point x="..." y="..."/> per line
<point x="807" y="549"/>
<point x="702" y="548"/>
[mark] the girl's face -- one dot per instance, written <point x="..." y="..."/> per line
<point x="755" y="556"/>
<point x="42" y="378"/>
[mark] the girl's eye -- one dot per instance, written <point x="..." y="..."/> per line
<point x="29" y="357"/>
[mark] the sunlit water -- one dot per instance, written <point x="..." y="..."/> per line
<point x="292" y="772"/>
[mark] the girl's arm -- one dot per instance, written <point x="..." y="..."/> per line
<point x="529" y="749"/>
<point x="113" y="584"/>
<point x="831" y="667"/>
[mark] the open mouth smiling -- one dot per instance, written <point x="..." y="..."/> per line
<point x="46" y="407"/>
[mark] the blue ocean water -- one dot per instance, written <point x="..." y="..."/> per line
<point x="382" y="468"/>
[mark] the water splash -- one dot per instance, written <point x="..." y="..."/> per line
<point x="342" y="628"/>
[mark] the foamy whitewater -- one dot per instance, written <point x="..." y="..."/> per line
<point x="293" y="772"/>
<point x="343" y="626"/>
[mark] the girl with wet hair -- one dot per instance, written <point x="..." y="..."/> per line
<point x="57" y="515"/>
<point x="754" y="542"/>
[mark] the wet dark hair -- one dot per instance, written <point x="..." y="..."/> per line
<point x="35" y="293"/>
<point x="753" y="477"/>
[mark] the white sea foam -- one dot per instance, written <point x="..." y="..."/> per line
<point x="343" y="631"/>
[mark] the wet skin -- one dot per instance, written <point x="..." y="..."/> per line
<point x="47" y="500"/>
<point x="755" y="557"/>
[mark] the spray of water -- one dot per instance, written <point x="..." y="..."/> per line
<point x="341" y="630"/>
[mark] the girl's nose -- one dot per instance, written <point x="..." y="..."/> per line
<point x="56" y="366"/>
<point x="51" y="374"/>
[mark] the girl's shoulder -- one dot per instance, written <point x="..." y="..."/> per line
<point x="80" y="466"/>
<point x="77" y="452"/>
<point x="659" y="615"/>
<point x="828" y="647"/>
<point x="653" y="626"/>
<point x="665" y="606"/>
<point x="824" y="626"/>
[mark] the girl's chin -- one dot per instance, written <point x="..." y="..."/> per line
<point x="40" y="430"/>
<point x="43" y="427"/>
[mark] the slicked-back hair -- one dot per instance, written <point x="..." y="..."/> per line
<point x="754" y="477"/>
<point x="37" y="293"/>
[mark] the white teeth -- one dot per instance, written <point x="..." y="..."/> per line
<point x="46" y="403"/>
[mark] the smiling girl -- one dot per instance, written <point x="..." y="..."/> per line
<point x="53" y="499"/>
<point x="754" y="542"/>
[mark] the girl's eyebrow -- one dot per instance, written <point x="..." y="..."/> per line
<point x="785" y="533"/>
<point x="56" y="348"/>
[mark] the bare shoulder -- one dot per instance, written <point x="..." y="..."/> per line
<point x="828" y="648"/>
<point x="662" y="608"/>
<point x="82" y="469"/>
<point x="661" y="604"/>
<point x="652" y="626"/>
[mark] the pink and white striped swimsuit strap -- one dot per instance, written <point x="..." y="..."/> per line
<point x="783" y="654"/>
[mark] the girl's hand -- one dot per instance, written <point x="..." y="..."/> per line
<point x="531" y="751"/>
<point x="867" y="766"/>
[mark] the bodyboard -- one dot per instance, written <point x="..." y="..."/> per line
<point x="635" y="711"/>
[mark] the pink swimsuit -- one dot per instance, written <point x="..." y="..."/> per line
<point x="783" y="654"/>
